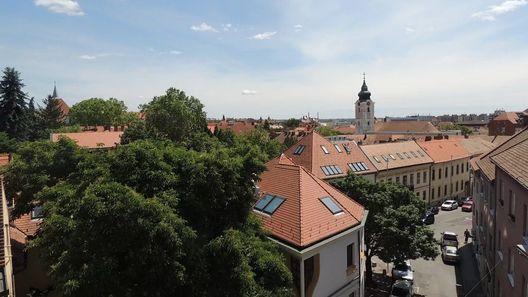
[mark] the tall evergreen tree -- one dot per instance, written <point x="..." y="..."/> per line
<point x="13" y="106"/>
<point x="51" y="116"/>
<point x="34" y="130"/>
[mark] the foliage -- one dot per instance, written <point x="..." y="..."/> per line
<point x="51" y="115"/>
<point x="137" y="130"/>
<point x="175" y="115"/>
<point x="392" y="231"/>
<point x="465" y="130"/>
<point x="261" y="138"/>
<point x="98" y="112"/>
<point x="7" y="144"/>
<point x="13" y="105"/>
<point x="327" y="131"/>
<point x="292" y="123"/>
<point x="67" y="129"/>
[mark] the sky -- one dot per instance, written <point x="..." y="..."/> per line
<point x="278" y="58"/>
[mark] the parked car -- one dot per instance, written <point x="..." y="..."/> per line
<point x="449" y="205"/>
<point x="450" y="254"/>
<point x="401" y="288"/>
<point x="433" y="209"/>
<point x="428" y="218"/>
<point x="449" y="239"/>
<point x="461" y="201"/>
<point x="467" y="206"/>
<point x="403" y="271"/>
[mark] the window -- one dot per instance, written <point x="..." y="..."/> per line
<point x="389" y="179"/>
<point x="452" y="167"/>
<point x="331" y="205"/>
<point x="269" y="204"/>
<point x="456" y="186"/>
<point x="331" y="170"/>
<point x="325" y="150"/>
<point x="439" y="173"/>
<point x="420" y="153"/>
<point x="397" y="179"/>
<point x="338" y="148"/>
<point x="439" y="194"/>
<point x="385" y="158"/>
<point x="37" y="212"/>
<point x="451" y="189"/>
<point x="412" y="179"/>
<point x="467" y="166"/>
<point x="462" y="168"/>
<point x="350" y="255"/>
<point x="406" y="155"/>
<point x="346" y="147"/>
<point x="511" y="262"/>
<point x="299" y="150"/>
<point x="432" y="194"/>
<point x="457" y="169"/>
<point x="446" y="172"/>
<point x="414" y="154"/>
<point x="418" y="178"/>
<point x="392" y="156"/>
<point x="433" y="174"/>
<point x="445" y="190"/>
<point x="376" y="158"/>
<point x="405" y="179"/>
<point x="399" y="156"/>
<point x="417" y="194"/>
<point x="425" y="177"/>
<point x="512" y="205"/>
<point x="424" y="195"/>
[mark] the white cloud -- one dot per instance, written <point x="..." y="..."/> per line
<point x="227" y="27"/>
<point x="175" y="52"/>
<point x="410" y="30"/>
<point x="493" y="11"/>
<point x="263" y="36"/>
<point x="88" y="57"/>
<point x="203" y="27"/>
<point x="298" y="27"/>
<point x="249" y="92"/>
<point x="69" y="7"/>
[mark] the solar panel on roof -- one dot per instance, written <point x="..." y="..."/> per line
<point x="376" y="158"/>
<point x="273" y="205"/>
<point x="406" y="155"/>
<point x="263" y="202"/>
<point x="331" y="205"/>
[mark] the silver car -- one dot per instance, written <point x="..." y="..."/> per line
<point x="403" y="271"/>
<point x="450" y="254"/>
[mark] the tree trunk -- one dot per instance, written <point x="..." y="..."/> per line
<point x="368" y="270"/>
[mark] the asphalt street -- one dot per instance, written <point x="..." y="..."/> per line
<point x="435" y="278"/>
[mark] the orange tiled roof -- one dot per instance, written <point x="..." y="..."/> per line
<point x="346" y="129"/>
<point x="314" y="158"/>
<point x="484" y="162"/>
<point x="396" y="154"/>
<point x="302" y="219"/>
<point x="405" y="126"/>
<point x="26" y="225"/>
<point x="507" y="116"/>
<point x="238" y="127"/>
<point x="63" y="106"/>
<point x="444" y="150"/>
<point x="92" y="140"/>
<point x="514" y="161"/>
<point x="4" y="160"/>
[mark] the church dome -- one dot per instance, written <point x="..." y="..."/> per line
<point x="364" y="94"/>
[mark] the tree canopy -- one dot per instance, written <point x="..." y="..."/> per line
<point x="51" y="115"/>
<point x="13" y="105"/>
<point x="99" y="112"/>
<point x="393" y="230"/>
<point x="327" y="131"/>
<point x="292" y="123"/>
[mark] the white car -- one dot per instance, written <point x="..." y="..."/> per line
<point x="449" y="205"/>
<point x="403" y="271"/>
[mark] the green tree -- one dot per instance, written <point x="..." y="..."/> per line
<point x="464" y="130"/>
<point x="98" y="112"/>
<point x="107" y="240"/>
<point x="13" y="105"/>
<point x="327" y="131"/>
<point x="392" y="231"/>
<point x="261" y="138"/>
<point x="7" y="144"/>
<point x="51" y="115"/>
<point x="292" y="123"/>
<point x="175" y="115"/>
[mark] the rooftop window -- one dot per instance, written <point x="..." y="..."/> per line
<point x="406" y="155"/>
<point x="358" y="166"/>
<point x="376" y="158"/>
<point x="37" y="212"/>
<point x="338" y="148"/>
<point x="420" y="153"/>
<point x="414" y="154"/>
<point x="331" y="170"/>
<point x="385" y="158"/>
<point x="331" y="205"/>
<point x="347" y="148"/>
<point x="299" y="150"/>
<point x="269" y="204"/>
<point x="399" y="156"/>
<point x="325" y="150"/>
<point x="392" y="156"/>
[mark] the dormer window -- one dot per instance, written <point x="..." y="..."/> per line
<point x="37" y="212"/>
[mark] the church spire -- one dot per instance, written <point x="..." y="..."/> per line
<point x="54" y="90"/>
<point x="364" y="94"/>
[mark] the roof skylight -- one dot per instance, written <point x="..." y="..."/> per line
<point x="299" y="150"/>
<point x="325" y="150"/>
<point x="338" y="148"/>
<point x="331" y="205"/>
<point x="269" y="204"/>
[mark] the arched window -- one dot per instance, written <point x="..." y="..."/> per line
<point x="368" y="109"/>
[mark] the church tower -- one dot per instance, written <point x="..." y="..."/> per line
<point x="364" y="110"/>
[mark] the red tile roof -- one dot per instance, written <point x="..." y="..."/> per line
<point x="313" y="157"/>
<point x="507" y="116"/>
<point x="4" y="160"/>
<point x="302" y="219"/>
<point x="63" y="106"/>
<point x="405" y="126"/>
<point x="26" y="225"/>
<point x="238" y="127"/>
<point x="396" y="154"/>
<point x="92" y="140"/>
<point x="444" y="150"/>
<point x="346" y="129"/>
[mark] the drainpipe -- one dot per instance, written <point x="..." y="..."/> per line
<point x="302" y="278"/>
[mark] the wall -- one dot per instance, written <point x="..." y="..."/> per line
<point x="398" y="173"/>
<point x="364" y="116"/>
<point x="462" y="178"/>
<point x="500" y="127"/>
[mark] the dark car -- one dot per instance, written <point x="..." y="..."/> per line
<point x="433" y="209"/>
<point x="461" y="201"/>
<point x="401" y="288"/>
<point x="428" y="218"/>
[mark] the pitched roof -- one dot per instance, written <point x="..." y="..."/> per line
<point x="346" y="129"/>
<point x="91" y="140"/>
<point x="444" y="150"/>
<point x="476" y="146"/>
<point x="63" y="106"/>
<point x="26" y="225"/>
<point x="405" y="126"/>
<point x="238" y="127"/>
<point x="302" y="219"/>
<point x="484" y="162"/>
<point x="314" y="157"/>
<point x="514" y="161"/>
<point x="396" y="154"/>
<point x="507" y="116"/>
